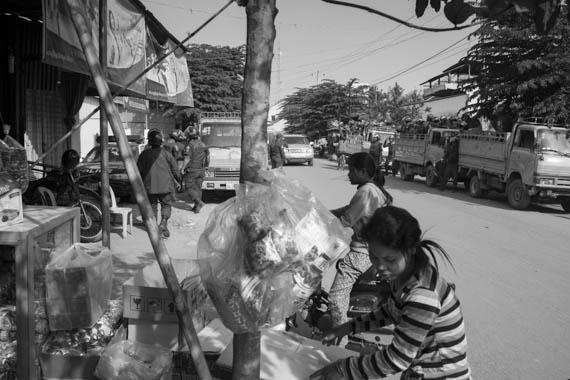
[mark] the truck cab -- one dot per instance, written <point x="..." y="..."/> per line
<point x="531" y="163"/>
<point x="540" y="156"/>
<point x="221" y="133"/>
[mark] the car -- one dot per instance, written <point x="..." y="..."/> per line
<point x="90" y="168"/>
<point x="298" y="150"/>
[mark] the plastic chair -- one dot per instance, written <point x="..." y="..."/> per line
<point x="125" y="212"/>
<point x="47" y="196"/>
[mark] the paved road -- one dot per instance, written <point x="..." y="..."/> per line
<point x="511" y="270"/>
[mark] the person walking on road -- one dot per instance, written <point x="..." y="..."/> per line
<point x="159" y="171"/>
<point x="196" y="162"/>
<point x="277" y="152"/>
<point x="451" y="161"/>
<point x="429" y="335"/>
<point x="389" y="143"/>
<point x="376" y="150"/>
<point x="369" y="196"/>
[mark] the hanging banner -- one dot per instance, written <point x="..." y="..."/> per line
<point x="169" y="81"/>
<point x="126" y="39"/>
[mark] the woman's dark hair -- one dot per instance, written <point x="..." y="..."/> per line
<point x="70" y="159"/>
<point x="396" y="228"/>
<point x="363" y="160"/>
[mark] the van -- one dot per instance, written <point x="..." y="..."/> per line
<point x="298" y="150"/>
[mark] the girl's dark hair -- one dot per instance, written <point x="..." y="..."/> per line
<point x="363" y="160"/>
<point x="396" y="228"/>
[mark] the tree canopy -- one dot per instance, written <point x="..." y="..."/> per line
<point x="520" y="72"/>
<point x="312" y="110"/>
<point x="217" y="76"/>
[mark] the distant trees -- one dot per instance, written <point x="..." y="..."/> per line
<point x="311" y="110"/>
<point x="520" y="73"/>
<point x="216" y="73"/>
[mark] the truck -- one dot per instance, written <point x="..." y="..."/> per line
<point x="221" y="133"/>
<point x="359" y="143"/>
<point x="418" y="153"/>
<point x="531" y="163"/>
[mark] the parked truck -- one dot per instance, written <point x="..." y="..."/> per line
<point x="358" y="143"/>
<point x="221" y="133"/>
<point x="418" y="153"/>
<point x="531" y="163"/>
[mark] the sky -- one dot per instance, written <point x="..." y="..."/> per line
<point x="317" y="40"/>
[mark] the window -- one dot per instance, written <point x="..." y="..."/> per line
<point x="525" y="140"/>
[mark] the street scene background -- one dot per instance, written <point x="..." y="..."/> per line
<point x="510" y="266"/>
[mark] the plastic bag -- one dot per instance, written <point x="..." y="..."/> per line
<point x="14" y="160"/>
<point x="264" y="251"/>
<point x="78" y="284"/>
<point x="128" y="360"/>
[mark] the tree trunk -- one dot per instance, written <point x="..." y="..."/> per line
<point x="255" y="108"/>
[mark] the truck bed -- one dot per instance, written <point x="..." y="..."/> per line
<point x="410" y="148"/>
<point x="483" y="151"/>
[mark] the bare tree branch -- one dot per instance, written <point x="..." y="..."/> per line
<point x="413" y="26"/>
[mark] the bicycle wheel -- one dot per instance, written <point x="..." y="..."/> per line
<point x="91" y="221"/>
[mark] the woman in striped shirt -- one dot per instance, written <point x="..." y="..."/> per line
<point x="429" y="335"/>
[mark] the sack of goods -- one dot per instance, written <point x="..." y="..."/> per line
<point x="15" y="162"/>
<point x="78" y="284"/>
<point x="264" y="251"/>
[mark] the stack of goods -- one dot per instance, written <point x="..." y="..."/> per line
<point x="7" y="314"/>
<point x="87" y="341"/>
<point x="7" y="341"/>
<point x="264" y="252"/>
<point x="15" y="161"/>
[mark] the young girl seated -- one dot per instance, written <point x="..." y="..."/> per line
<point x="429" y="335"/>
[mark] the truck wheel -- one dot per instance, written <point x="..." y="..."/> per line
<point x="517" y="195"/>
<point x="431" y="176"/>
<point x="475" y="188"/>
<point x="310" y="163"/>
<point x="565" y="202"/>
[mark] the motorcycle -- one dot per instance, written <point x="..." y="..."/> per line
<point x="367" y="294"/>
<point x="63" y="183"/>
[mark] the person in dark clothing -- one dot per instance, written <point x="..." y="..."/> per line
<point x="196" y="162"/>
<point x="277" y="152"/>
<point x="451" y="160"/>
<point x="376" y="150"/>
<point x="159" y="172"/>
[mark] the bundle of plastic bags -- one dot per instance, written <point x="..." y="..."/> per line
<point x="263" y="252"/>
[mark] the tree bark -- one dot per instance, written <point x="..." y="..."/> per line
<point x="255" y="108"/>
<point x="165" y="264"/>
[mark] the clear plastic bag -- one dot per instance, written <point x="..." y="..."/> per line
<point x="128" y="360"/>
<point x="264" y="251"/>
<point x="78" y="285"/>
<point x="14" y="160"/>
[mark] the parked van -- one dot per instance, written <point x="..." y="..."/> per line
<point x="298" y="150"/>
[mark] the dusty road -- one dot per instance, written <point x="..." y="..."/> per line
<point x="511" y="273"/>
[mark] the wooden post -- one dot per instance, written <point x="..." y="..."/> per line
<point x="165" y="264"/>
<point x="255" y="108"/>
<point x="104" y="130"/>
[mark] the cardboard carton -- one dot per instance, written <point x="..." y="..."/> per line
<point x="146" y="297"/>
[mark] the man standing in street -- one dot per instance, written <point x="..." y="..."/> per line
<point x="159" y="171"/>
<point x="277" y="152"/>
<point x="196" y="161"/>
<point x="451" y="160"/>
<point x="376" y="150"/>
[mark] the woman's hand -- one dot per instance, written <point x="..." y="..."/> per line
<point x="330" y="372"/>
<point x="335" y="335"/>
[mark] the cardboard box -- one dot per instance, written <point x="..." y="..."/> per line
<point x="146" y="297"/>
<point x="167" y="335"/>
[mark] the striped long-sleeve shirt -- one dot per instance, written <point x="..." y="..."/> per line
<point x="429" y="336"/>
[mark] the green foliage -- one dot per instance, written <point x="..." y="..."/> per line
<point x="519" y="72"/>
<point x="216" y="73"/>
<point x="543" y="13"/>
<point x="311" y="110"/>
